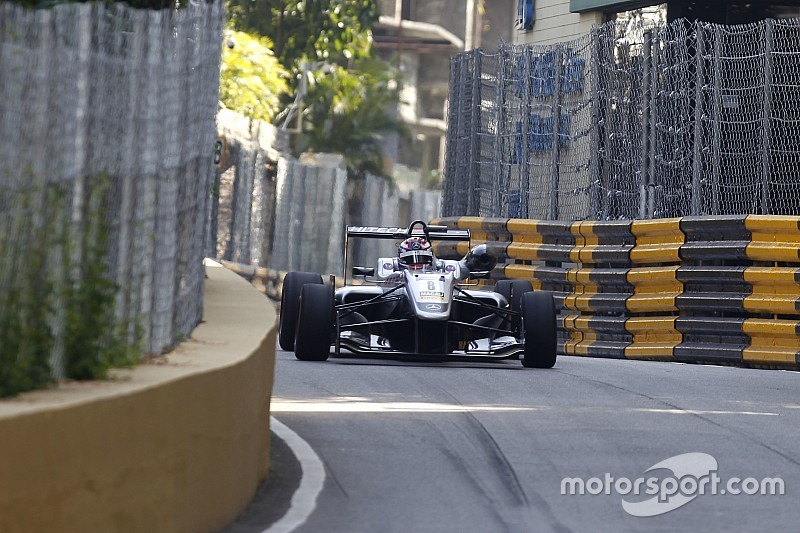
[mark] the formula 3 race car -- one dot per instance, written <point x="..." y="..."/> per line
<point x="403" y="310"/>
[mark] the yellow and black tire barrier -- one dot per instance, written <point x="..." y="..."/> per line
<point x="772" y="342"/>
<point x="602" y="242"/>
<point x="598" y="290"/>
<point x="711" y="339"/>
<point x="708" y="288"/>
<point x="596" y="336"/>
<point x="712" y="289"/>
<point x="482" y="229"/>
<point x="773" y="238"/>
<point x="655" y="290"/>
<point x="541" y="240"/>
<point x="720" y="289"/>
<point x="656" y="241"/>
<point x="654" y="338"/>
<point x="773" y="290"/>
<point x="714" y="238"/>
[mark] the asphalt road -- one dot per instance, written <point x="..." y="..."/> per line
<point x="486" y="447"/>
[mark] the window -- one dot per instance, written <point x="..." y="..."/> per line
<point x="524" y="15"/>
<point x="409" y="10"/>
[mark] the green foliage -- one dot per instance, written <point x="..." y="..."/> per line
<point x="55" y="285"/>
<point x="93" y="340"/>
<point x="251" y="78"/>
<point x="433" y="181"/>
<point x="26" y="340"/>
<point x="333" y="30"/>
<point x="351" y="111"/>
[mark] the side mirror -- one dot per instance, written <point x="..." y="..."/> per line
<point x="479" y="275"/>
<point x="363" y="271"/>
<point x="479" y="259"/>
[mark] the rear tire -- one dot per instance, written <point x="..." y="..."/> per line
<point x="314" y="323"/>
<point x="539" y="324"/>
<point x="290" y="297"/>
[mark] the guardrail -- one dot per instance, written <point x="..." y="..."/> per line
<point x="721" y="289"/>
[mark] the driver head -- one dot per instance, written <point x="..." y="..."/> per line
<point x="415" y="253"/>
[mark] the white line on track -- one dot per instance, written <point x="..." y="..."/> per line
<point x="312" y="478"/>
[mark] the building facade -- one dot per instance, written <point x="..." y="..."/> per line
<point x="551" y="21"/>
<point x="420" y="36"/>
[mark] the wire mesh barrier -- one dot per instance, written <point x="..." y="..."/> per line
<point x="309" y="218"/>
<point x="272" y="211"/>
<point x="241" y="214"/>
<point x="107" y="118"/>
<point x="629" y="122"/>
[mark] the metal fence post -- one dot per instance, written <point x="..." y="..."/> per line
<point x="646" y="82"/>
<point x="501" y="184"/>
<point x="525" y="118"/>
<point x="653" y="118"/>
<point x="717" y="134"/>
<point x="699" y="100"/>
<point x="596" y="163"/>
<point x="473" y="205"/>
<point x="766" y="128"/>
<point x="554" y="172"/>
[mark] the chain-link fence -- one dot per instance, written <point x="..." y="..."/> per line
<point x="272" y="210"/>
<point x="107" y="121"/>
<point x="241" y="215"/>
<point x="309" y="217"/>
<point x="628" y="122"/>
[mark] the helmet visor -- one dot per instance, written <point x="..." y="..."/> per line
<point x="416" y="257"/>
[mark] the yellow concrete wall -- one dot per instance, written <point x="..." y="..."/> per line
<point x="178" y="445"/>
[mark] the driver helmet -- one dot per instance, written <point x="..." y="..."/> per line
<point x="415" y="253"/>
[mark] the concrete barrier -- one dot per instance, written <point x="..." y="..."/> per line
<point x="178" y="444"/>
<point x="718" y="289"/>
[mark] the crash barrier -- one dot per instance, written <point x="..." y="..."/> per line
<point x="267" y="280"/>
<point x="603" y="127"/>
<point x="107" y="227"/>
<point x="718" y="289"/>
<point x="178" y="444"/>
<point x="272" y="210"/>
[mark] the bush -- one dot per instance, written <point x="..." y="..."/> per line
<point x="57" y="294"/>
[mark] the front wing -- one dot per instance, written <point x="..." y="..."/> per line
<point x="495" y="334"/>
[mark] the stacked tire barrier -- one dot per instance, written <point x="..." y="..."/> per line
<point x="712" y="289"/>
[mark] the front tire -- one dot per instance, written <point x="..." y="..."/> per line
<point x="290" y="297"/>
<point x="539" y="325"/>
<point x="314" y="323"/>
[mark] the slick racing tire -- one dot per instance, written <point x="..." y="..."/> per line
<point x="290" y="296"/>
<point x="512" y="290"/>
<point x="539" y="324"/>
<point x="313" y="337"/>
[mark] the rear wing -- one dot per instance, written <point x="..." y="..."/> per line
<point x="418" y="227"/>
<point x="432" y="233"/>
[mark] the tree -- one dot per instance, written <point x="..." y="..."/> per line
<point x="349" y="110"/>
<point x="251" y="77"/>
<point x="352" y="110"/>
<point x="333" y="30"/>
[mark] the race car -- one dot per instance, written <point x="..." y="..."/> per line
<point x="416" y="305"/>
